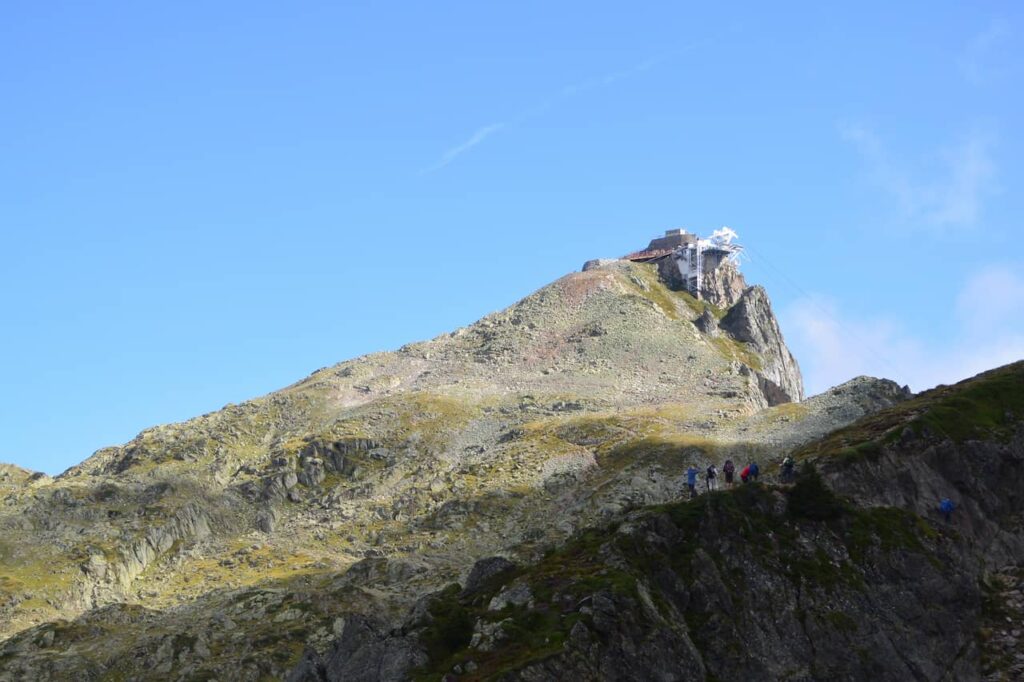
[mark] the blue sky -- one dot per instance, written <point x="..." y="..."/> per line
<point x="202" y="202"/>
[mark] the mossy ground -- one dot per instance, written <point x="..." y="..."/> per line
<point x="239" y="564"/>
<point x="646" y="283"/>
<point x="663" y="433"/>
<point x="731" y="349"/>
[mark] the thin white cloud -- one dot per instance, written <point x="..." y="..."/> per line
<point x="980" y="60"/>
<point x="992" y="297"/>
<point x="958" y="199"/>
<point x="833" y="346"/>
<point x="476" y="138"/>
<point x="948" y="190"/>
<point x="542" y="106"/>
<point x="609" y="78"/>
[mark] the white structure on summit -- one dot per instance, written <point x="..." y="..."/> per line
<point x="704" y="256"/>
<point x="695" y="257"/>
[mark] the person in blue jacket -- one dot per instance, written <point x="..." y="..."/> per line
<point x="946" y="507"/>
<point x="755" y="471"/>
<point x="691" y="480"/>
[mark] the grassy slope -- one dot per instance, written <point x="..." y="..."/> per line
<point x="988" y="405"/>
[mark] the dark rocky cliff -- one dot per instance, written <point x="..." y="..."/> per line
<point x="848" y="574"/>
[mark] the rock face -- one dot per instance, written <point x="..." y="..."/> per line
<point x="1001" y="631"/>
<point x="952" y="452"/>
<point x="366" y="651"/>
<point x="724" y="286"/>
<point x="752" y="321"/>
<point x="707" y="323"/>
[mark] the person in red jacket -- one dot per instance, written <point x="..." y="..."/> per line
<point x="745" y="474"/>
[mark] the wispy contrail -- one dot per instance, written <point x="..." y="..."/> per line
<point x="565" y="93"/>
<point x="476" y="138"/>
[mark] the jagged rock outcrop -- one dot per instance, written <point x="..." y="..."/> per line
<point x="597" y="263"/>
<point x="485" y="572"/>
<point x="989" y="493"/>
<point x="707" y="323"/>
<point x="752" y="321"/>
<point x="366" y="651"/>
<point x="108" y="579"/>
<point x="749" y="319"/>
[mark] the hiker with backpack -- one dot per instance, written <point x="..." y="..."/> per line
<point x="710" y="477"/>
<point x="729" y="469"/>
<point x="755" y="471"/>
<point x="691" y="480"/>
<point x="745" y="474"/>
<point x="788" y="470"/>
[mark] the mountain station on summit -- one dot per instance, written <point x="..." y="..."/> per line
<point x="693" y="257"/>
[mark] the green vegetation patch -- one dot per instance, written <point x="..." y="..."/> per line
<point x="579" y="569"/>
<point x="451" y="625"/>
<point x="989" y="405"/>
<point x="789" y="411"/>
<point x="433" y="417"/>
<point x="731" y="349"/>
<point x="654" y="290"/>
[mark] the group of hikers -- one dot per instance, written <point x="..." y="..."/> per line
<point x="787" y="474"/>
<point x="750" y="473"/>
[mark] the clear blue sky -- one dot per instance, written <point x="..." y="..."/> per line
<point x="202" y="202"/>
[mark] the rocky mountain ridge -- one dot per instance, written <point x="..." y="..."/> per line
<point x="761" y="582"/>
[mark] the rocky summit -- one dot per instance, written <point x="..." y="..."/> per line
<point x="506" y="502"/>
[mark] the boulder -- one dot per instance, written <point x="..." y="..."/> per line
<point x="486" y="572"/>
<point x="266" y="520"/>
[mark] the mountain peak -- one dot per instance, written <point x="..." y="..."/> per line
<point x="360" y="487"/>
<point x="707" y="269"/>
